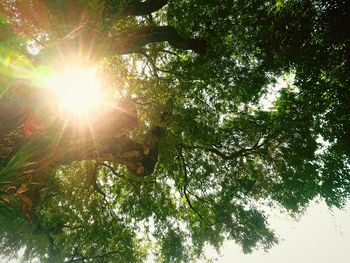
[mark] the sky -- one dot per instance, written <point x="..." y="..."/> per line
<point x="321" y="235"/>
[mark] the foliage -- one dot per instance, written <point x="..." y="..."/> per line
<point x="12" y="221"/>
<point x="223" y="150"/>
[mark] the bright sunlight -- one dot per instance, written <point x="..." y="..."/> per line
<point x="78" y="90"/>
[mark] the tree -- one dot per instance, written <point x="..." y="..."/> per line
<point x="189" y="152"/>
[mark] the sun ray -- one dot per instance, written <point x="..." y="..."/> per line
<point x="91" y="133"/>
<point x="60" y="135"/>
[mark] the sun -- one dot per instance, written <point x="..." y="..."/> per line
<point x="78" y="90"/>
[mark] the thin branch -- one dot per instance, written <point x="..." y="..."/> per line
<point x="151" y="62"/>
<point x="202" y="199"/>
<point x="241" y="152"/>
<point x="115" y="173"/>
<point x="111" y="169"/>
<point x="185" y="191"/>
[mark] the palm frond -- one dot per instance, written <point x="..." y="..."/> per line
<point x="9" y="210"/>
<point x="16" y="163"/>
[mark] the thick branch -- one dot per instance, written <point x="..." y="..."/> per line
<point x="83" y="39"/>
<point x="138" y="8"/>
<point x="133" y="41"/>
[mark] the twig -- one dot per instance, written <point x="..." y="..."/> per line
<point x="151" y="62"/>
<point x="111" y="169"/>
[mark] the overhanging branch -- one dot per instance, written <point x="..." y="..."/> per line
<point x="242" y="152"/>
<point x="233" y="155"/>
<point x="131" y="42"/>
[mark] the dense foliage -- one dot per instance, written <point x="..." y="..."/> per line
<point x="250" y="100"/>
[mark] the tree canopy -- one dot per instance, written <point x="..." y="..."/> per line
<point x="214" y="110"/>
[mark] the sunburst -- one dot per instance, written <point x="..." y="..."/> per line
<point x="78" y="90"/>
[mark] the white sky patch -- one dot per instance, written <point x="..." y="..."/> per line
<point x="323" y="145"/>
<point x="321" y="236"/>
<point x="34" y="46"/>
<point x="268" y="100"/>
